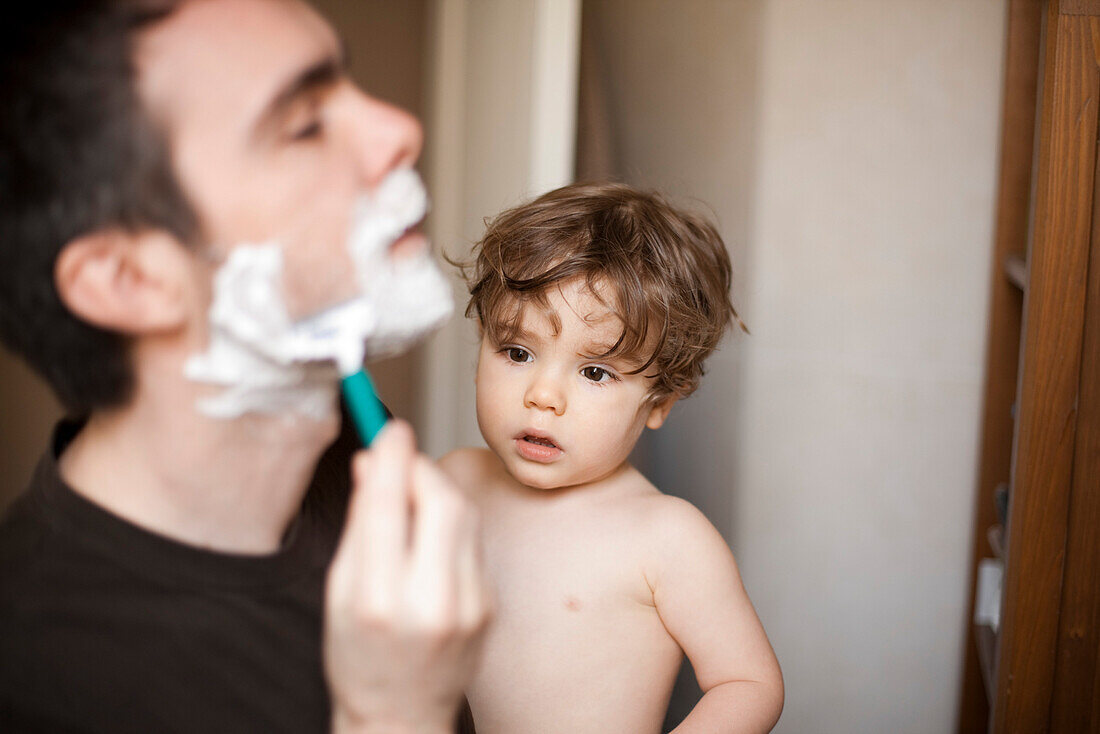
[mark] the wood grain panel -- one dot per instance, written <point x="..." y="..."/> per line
<point x="1047" y="404"/>
<point x="1076" y="705"/>
<point x="1024" y="21"/>
<point x="1079" y="7"/>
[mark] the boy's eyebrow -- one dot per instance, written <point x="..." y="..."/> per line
<point x="514" y="332"/>
<point x="321" y="73"/>
<point x="596" y="350"/>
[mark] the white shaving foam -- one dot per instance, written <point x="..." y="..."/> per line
<point x="266" y="363"/>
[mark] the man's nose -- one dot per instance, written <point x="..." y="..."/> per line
<point x="545" y="393"/>
<point x="386" y="138"/>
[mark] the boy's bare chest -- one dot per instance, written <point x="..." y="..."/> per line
<point x="567" y="577"/>
<point x="574" y="619"/>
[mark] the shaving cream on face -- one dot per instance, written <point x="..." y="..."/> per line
<point x="267" y="363"/>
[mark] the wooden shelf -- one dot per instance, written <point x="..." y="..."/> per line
<point x="1040" y="672"/>
<point x="1016" y="269"/>
<point x="986" y="640"/>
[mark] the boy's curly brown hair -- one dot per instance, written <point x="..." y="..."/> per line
<point x="664" y="272"/>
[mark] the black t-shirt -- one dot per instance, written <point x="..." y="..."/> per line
<point x="107" y="627"/>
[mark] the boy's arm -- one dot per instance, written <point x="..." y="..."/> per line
<point x="703" y="605"/>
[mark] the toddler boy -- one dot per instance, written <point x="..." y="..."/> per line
<point x="597" y="305"/>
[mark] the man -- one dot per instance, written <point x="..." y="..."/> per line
<point x="168" y="569"/>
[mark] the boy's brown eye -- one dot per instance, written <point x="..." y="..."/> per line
<point x="517" y="355"/>
<point x="597" y="374"/>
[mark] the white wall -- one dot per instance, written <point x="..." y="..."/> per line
<point x="494" y="138"/>
<point x="848" y="148"/>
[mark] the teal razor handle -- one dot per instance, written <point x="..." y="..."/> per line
<point x="366" y="409"/>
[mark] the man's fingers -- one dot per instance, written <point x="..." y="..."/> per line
<point x="432" y="582"/>
<point x="433" y="571"/>
<point x="378" y="530"/>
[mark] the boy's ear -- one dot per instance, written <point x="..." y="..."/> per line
<point x="659" y="412"/>
<point x="128" y="282"/>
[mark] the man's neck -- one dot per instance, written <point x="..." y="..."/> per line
<point x="228" y="485"/>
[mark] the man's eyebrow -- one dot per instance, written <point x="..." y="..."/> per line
<point x="319" y="74"/>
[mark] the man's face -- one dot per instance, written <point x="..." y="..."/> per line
<point x="269" y="138"/>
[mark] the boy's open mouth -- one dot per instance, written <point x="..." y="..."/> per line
<point x="537" y="446"/>
<point x="540" y="441"/>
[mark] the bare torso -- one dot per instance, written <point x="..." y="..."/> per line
<point x="577" y="644"/>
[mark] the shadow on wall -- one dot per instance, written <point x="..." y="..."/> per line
<point x="28" y="411"/>
<point x="668" y="98"/>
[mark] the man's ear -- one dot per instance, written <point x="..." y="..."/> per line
<point x="659" y="412"/>
<point x="127" y="282"/>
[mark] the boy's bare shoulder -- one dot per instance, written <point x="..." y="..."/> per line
<point x="678" y="534"/>
<point x="669" y="516"/>
<point x="653" y="516"/>
<point x="470" y="468"/>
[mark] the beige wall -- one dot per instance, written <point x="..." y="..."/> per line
<point x="848" y="148"/>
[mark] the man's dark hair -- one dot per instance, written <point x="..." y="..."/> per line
<point x="78" y="154"/>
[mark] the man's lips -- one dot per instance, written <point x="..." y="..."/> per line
<point x="410" y="244"/>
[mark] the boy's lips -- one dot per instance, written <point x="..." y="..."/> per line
<point x="537" y="446"/>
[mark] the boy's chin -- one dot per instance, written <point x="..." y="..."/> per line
<point x="538" y="477"/>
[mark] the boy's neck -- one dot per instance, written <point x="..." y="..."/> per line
<point x="227" y="485"/>
<point x="615" y="483"/>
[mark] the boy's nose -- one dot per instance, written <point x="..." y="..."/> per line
<point x="545" y="394"/>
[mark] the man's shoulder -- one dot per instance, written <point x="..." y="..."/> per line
<point x="28" y="527"/>
<point x="41" y="572"/>
<point x="27" y="536"/>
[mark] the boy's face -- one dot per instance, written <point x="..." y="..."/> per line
<point x="554" y="412"/>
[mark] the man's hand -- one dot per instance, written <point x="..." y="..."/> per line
<point x="406" y="604"/>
